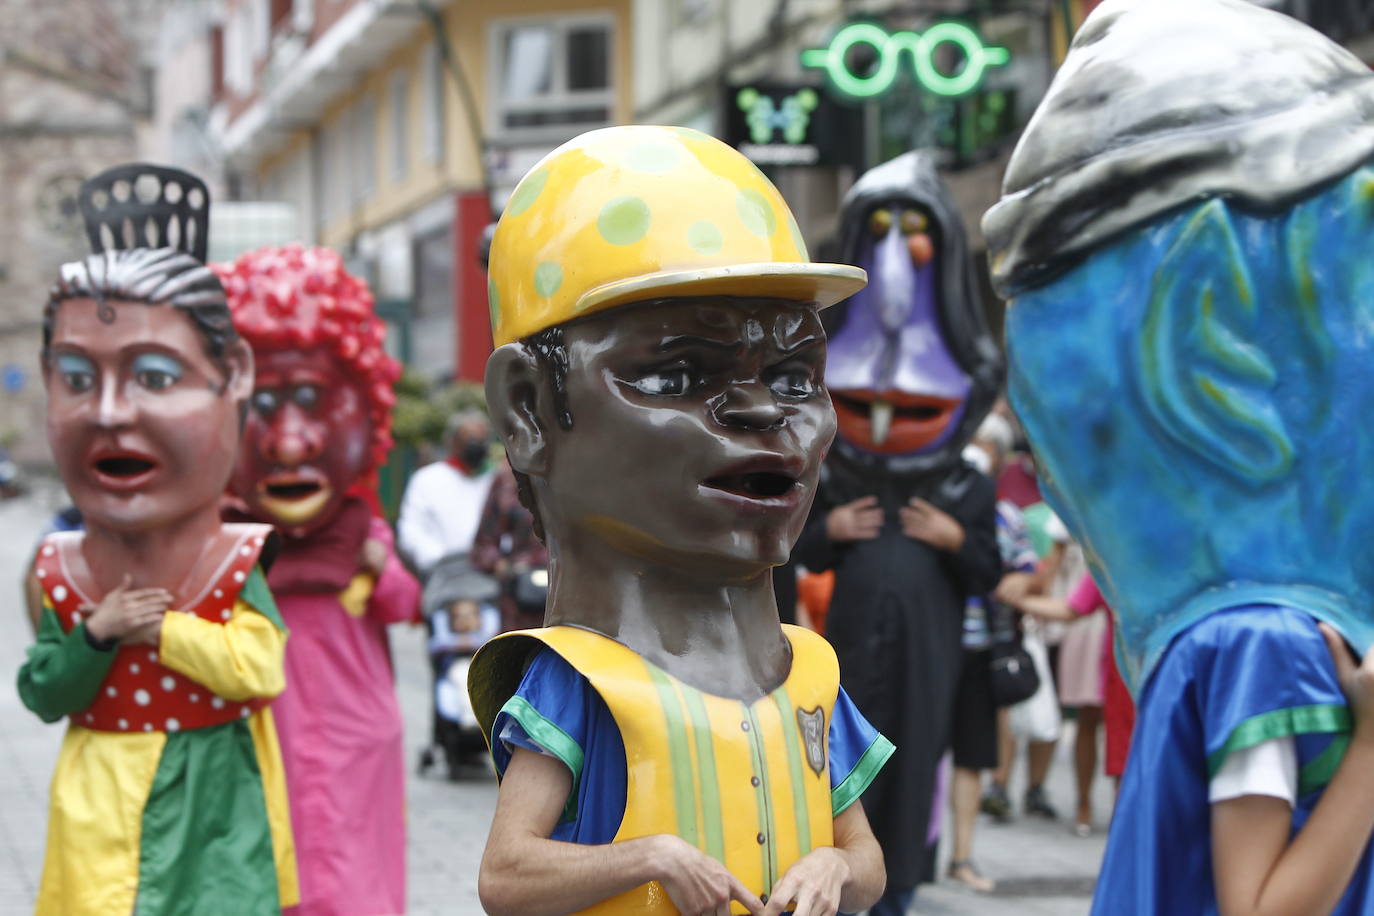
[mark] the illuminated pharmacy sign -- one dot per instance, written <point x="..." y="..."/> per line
<point x="919" y="49"/>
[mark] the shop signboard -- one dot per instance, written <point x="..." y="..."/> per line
<point x="791" y="124"/>
<point x="864" y="59"/>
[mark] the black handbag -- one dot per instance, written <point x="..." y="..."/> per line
<point x="1013" y="673"/>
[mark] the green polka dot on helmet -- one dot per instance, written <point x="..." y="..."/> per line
<point x="704" y="237"/>
<point x="493" y="302"/>
<point x="527" y="192"/>
<point x="654" y="157"/>
<point x="756" y="212"/>
<point x="624" y="220"/>
<point x="548" y="276"/>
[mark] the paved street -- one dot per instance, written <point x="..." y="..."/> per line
<point x="1043" y="870"/>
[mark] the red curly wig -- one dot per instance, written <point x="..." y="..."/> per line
<point x="295" y="297"/>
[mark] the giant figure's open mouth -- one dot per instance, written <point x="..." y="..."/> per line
<point x="764" y="480"/>
<point x="891" y="422"/>
<point x="293" y="497"/>
<point x="124" y="466"/>
<point x="762" y="484"/>
<point x="292" y="490"/>
<point x="122" y="469"/>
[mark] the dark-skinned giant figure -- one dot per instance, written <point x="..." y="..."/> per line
<point x="665" y="744"/>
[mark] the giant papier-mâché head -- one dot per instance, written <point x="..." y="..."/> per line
<point x="912" y="368"/>
<point x="1185" y="234"/>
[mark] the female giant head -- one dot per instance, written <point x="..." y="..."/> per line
<point x="146" y="376"/>
<point x="320" y="422"/>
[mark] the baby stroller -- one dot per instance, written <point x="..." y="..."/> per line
<point x="460" y="613"/>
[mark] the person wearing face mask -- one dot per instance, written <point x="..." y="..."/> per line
<point x="443" y="501"/>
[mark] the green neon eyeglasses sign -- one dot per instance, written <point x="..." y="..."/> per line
<point x="978" y="57"/>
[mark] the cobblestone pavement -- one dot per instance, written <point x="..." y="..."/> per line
<point x="1043" y="870"/>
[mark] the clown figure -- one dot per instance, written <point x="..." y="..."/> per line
<point x="317" y="430"/>
<point x="1190" y="353"/>
<point x="158" y="638"/>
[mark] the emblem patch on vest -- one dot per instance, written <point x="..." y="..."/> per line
<point x="812" y="726"/>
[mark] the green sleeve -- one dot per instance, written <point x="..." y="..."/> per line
<point x="63" y="671"/>
<point x="256" y="593"/>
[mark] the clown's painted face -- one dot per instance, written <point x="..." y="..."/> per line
<point x="895" y="384"/>
<point x="306" y="440"/>
<point x="143" y="424"/>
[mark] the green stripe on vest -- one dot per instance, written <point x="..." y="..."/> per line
<point x="800" y="814"/>
<point x="684" y="796"/>
<point x="712" y="823"/>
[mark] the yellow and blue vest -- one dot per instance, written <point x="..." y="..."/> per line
<point x="749" y="783"/>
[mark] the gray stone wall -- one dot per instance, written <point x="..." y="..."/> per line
<point x="72" y="91"/>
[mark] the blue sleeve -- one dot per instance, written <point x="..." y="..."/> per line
<point x="857" y="753"/>
<point x="1265" y="673"/>
<point x="556" y="711"/>
<point x="549" y="712"/>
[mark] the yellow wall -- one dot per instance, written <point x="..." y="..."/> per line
<point x="468" y="33"/>
<point x="467" y="26"/>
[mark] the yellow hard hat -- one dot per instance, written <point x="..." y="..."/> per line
<point x="624" y="214"/>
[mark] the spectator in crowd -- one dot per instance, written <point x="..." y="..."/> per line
<point x="1036" y="720"/>
<point x="507" y="547"/>
<point x="1082" y="674"/>
<point x="443" y="501"/>
<point x="1118" y="709"/>
<point x="974" y="737"/>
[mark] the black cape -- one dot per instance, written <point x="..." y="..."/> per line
<point x="896" y="622"/>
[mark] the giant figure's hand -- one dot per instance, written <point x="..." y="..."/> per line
<point x="373" y="556"/>
<point x="524" y="873"/>
<point x="921" y="521"/>
<point x="1357" y="681"/>
<point x="124" y="611"/>
<point x="860" y="520"/>
<point x="813" y="884"/>
<point x="697" y="884"/>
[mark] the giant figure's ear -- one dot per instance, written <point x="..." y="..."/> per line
<point x="1200" y="364"/>
<point x="238" y="360"/>
<point x="515" y="384"/>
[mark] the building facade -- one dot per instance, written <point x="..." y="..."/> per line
<point x="394" y="129"/>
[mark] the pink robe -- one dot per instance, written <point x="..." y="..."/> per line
<point x="341" y="740"/>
